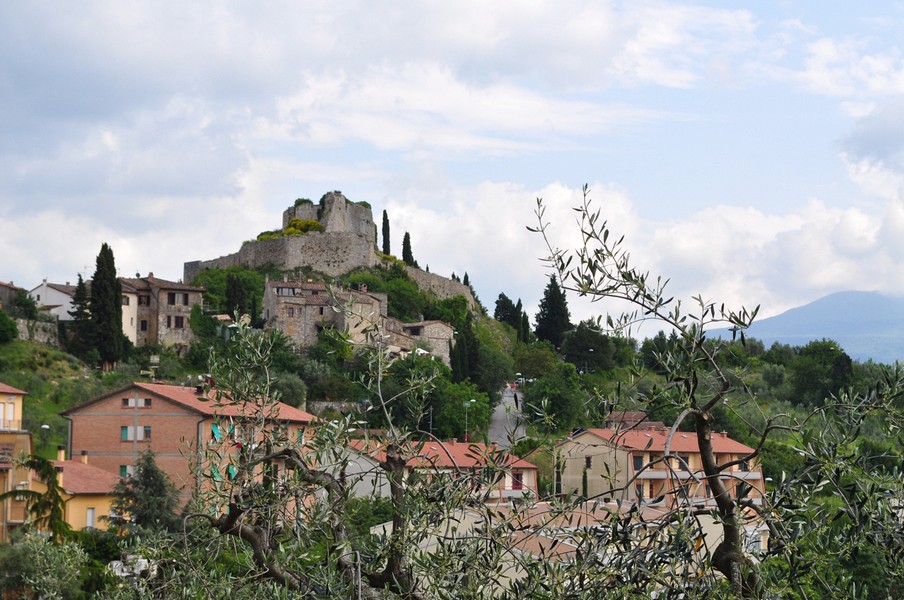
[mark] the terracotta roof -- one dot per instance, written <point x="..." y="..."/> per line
<point x="81" y="478"/>
<point x="654" y="440"/>
<point x="446" y="455"/>
<point x="9" y="285"/>
<point x="201" y="403"/>
<point x="8" y="389"/>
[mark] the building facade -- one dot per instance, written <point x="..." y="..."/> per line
<point x="301" y="310"/>
<point x="649" y="464"/>
<point x="14" y="441"/>
<point x="176" y="423"/>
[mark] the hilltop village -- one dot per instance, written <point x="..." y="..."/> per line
<point x="337" y="419"/>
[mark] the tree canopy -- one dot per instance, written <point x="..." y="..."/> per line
<point x="553" y="318"/>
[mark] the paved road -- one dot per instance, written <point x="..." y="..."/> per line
<point x="504" y="422"/>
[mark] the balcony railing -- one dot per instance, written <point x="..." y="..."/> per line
<point x="10" y="425"/>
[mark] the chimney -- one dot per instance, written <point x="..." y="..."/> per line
<point x="61" y="452"/>
<point x="84" y="457"/>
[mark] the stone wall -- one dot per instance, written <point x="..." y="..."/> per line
<point x="333" y="254"/>
<point x="41" y="332"/>
<point x="441" y="286"/>
<point x="337" y="215"/>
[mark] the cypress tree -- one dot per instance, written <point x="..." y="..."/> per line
<point x="236" y="295"/>
<point x="553" y="319"/>
<point x="407" y="256"/>
<point x="106" y="309"/>
<point x="386" y="234"/>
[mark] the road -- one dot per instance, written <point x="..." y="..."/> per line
<point x="505" y="423"/>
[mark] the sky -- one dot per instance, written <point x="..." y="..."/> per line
<point x="750" y="152"/>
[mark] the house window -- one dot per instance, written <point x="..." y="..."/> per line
<point x="132" y="433"/>
<point x="89" y="517"/>
<point x="638" y="462"/>
<point x="684" y="462"/>
<point x="136" y="402"/>
<point x="588" y="462"/>
<point x="517" y="480"/>
<point x="638" y="492"/>
<point x="126" y="470"/>
<point x="321" y="311"/>
<point x="290" y="311"/>
<point x="144" y="300"/>
<point x="144" y="324"/>
<point x="184" y="299"/>
<point x="125" y="300"/>
<point x="171" y="298"/>
<point x="169" y="321"/>
<point x="179" y="323"/>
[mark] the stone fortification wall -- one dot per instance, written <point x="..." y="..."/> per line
<point x="333" y="254"/>
<point x="42" y="332"/>
<point x="337" y="215"/>
<point x="441" y="286"/>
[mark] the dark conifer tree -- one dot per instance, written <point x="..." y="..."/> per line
<point x="553" y="319"/>
<point x="106" y="309"/>
<point x="79" y="338"/>
<point x="236" y="295"/>
<point x="386" y="249"/>
<point x="148" y="497"/>
<point x="407" y="256"/>
<point x="505" y="311"/>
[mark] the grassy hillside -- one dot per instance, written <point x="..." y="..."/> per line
<point x="54" y="381"/>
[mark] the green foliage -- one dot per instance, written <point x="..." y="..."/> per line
<point x="505" y="312"/>
<point x="535" y="360"/>
<point x="215" y="284"/>
<point x="387" y="250"/>
<point x="8" y="329"/>
<point x="148" y="497"/>
<point x="556" y="400"/>
<point x="47" y="510"/>
<point x="407" y="256"/>
<point x="35" y="567"/>
<point x="820" y="369"/>
<point x="300" y="201"/>
<point x="553" y="318"/>
<point x="24" y="306"/>
<point x="298" y="226"/>
<point x="105" y="305"/>
<point x="292" y="389"/>
<point x="78" y="331"/>
<point x="588" y="348"/>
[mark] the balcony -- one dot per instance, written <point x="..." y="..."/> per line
<point x="10" y="425"/>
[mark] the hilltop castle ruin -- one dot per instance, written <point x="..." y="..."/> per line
<point x="347" y="242"/>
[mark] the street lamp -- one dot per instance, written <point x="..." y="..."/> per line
<point x="467" y="403"/>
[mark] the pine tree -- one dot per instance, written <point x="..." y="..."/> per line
<point x="106" y="309"/>
<point x="553" y="319"/>
<point x="386" y="234"/>
<point x="79" y="338"/>
<point x="466" y="280"/>
<point x="148" y="497"/>
<point x="505" y="312"/>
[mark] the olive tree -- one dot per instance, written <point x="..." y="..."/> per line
<point x="820" y="518"/>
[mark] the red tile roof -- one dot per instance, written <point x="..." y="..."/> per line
<point x="204" y="403"/>
<point x="81" y="478"/>
<point x="446" y="455"/>
<point x="654" y="440"/>
<point x="8" y="389"/>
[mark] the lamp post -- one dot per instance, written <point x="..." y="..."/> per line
<point x="467" y="403"/>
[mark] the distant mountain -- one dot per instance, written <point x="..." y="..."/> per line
<point x="867" y="325"/>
